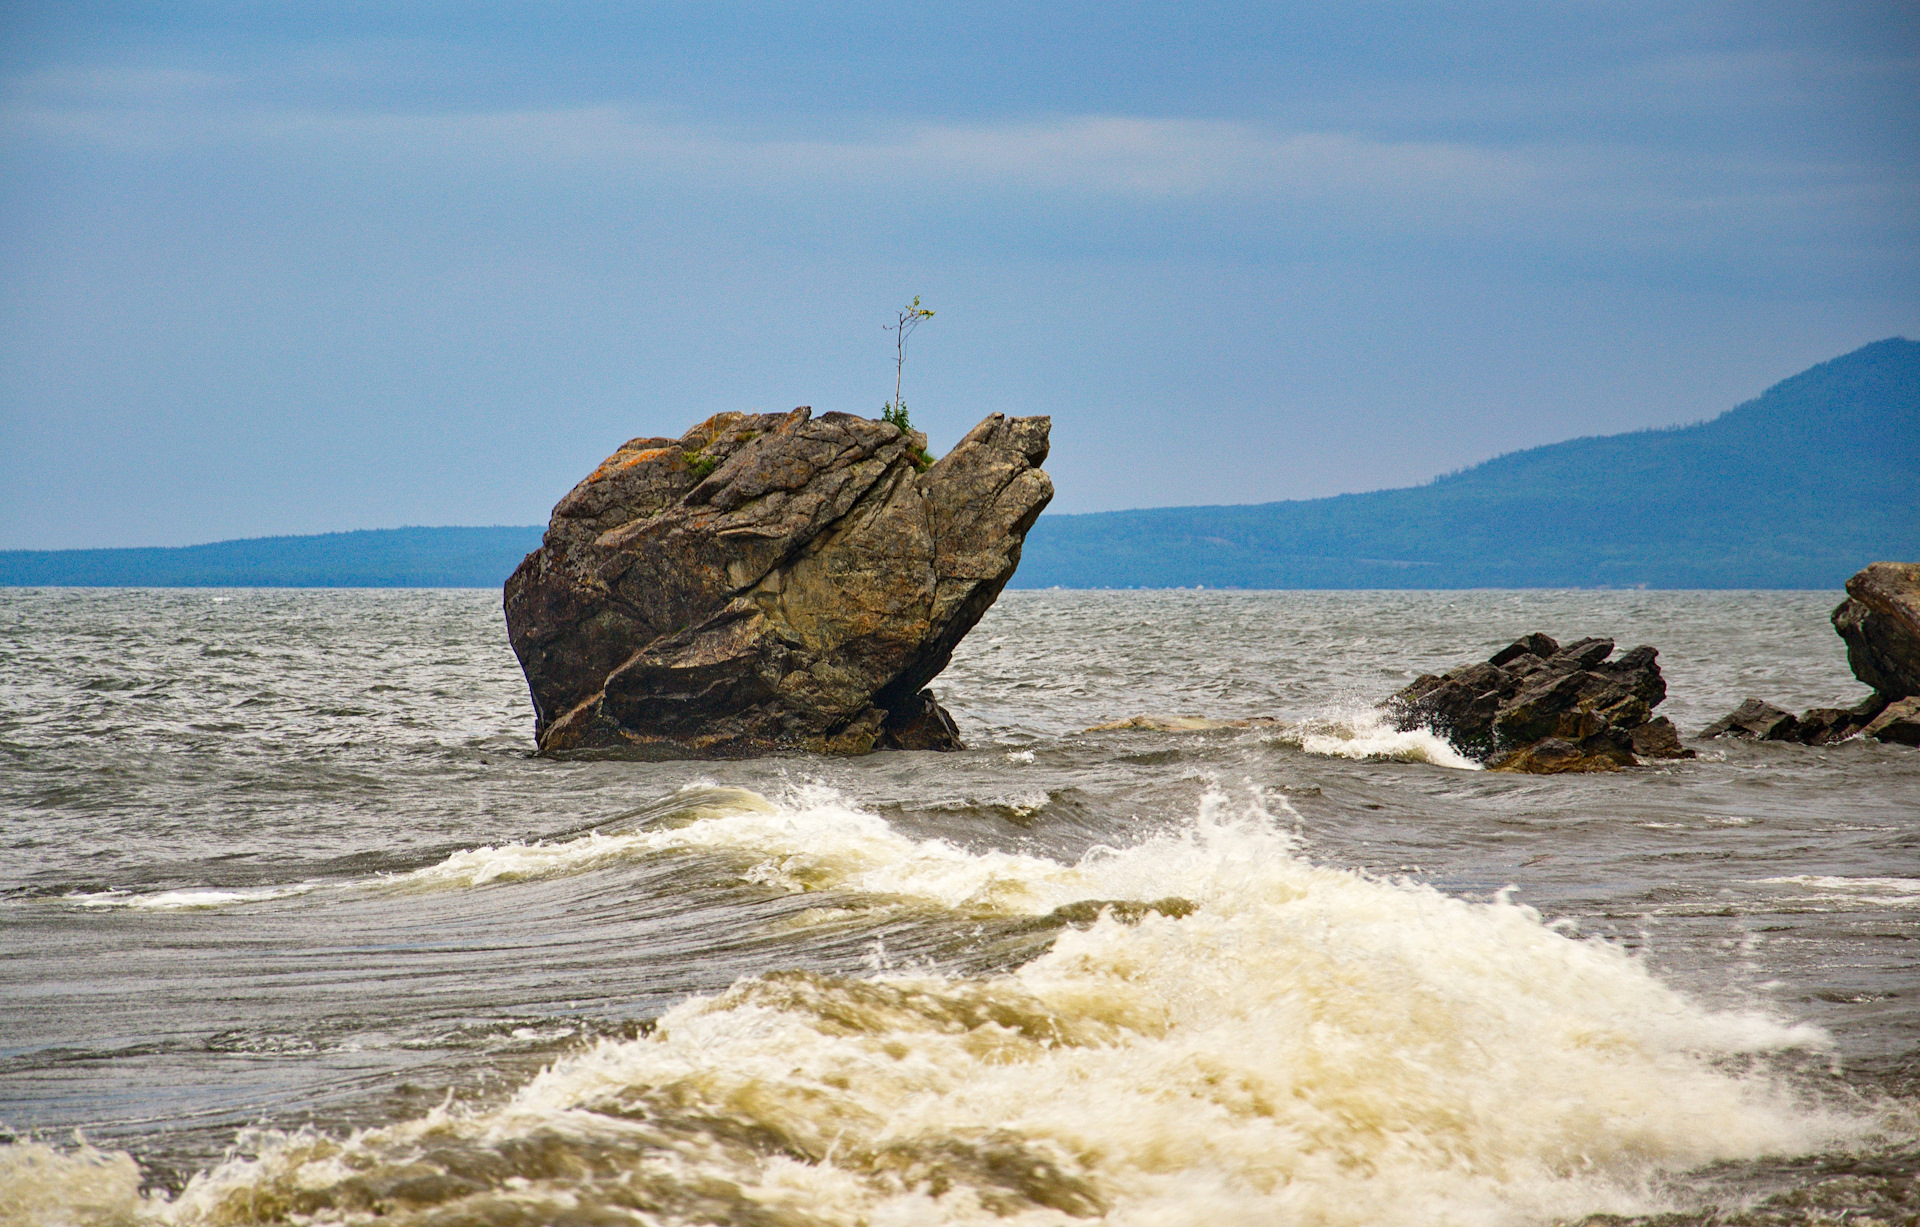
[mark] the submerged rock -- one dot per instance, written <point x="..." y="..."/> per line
<point x="769" y="581"/>
<point x="1880" y="623"/>
<point x="1557" y="756"/>
<point x="1538" y="707"/>
<point x="1755" y="719"/>
<point x="1758" y="720"/>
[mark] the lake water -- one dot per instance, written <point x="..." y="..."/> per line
<point x="294" y="927"/>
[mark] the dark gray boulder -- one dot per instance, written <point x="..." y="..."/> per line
<point x="1880" y="622"/>
<point x="768" y="582"/>
<point x="1658" y="738"/>
<point x="1899" y="723"/>
<point x="1756" y="720"/>
<point x="1823" y="726"/>
<point x="1538" y="707"/>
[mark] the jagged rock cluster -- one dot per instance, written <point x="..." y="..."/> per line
<point x="1537" y="707"/>
<point x="1880" y="622"/>
<point x="768" y="582"/>
<point x="1759" y="720"/>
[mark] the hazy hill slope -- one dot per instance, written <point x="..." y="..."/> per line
<point x="374" y="558"/>
<point x="1797" y="488"/>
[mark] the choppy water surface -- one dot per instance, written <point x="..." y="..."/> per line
<point x="294" y="927"/>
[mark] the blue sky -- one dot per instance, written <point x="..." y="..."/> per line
<point x="275" y="268"/>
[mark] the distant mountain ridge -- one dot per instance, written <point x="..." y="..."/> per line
<point x="370" y="558"/>
<point x="1797" y="488"/>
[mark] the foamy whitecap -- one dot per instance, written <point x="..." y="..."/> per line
<point x="1363" y="735"/>
<point x="1308" y="1045"/>
<point x="1869" y="892"/>
<point x="815" y="842"/>
<point x="184" y="900"/>
<point x="45" y="1186"/>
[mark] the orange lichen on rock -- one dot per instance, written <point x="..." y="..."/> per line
<point x="619" y="462"/>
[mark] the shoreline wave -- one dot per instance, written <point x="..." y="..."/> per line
<point x="1300" y="1043"/>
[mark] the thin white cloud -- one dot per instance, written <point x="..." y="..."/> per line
<point x="1582" y="196"/>
<point x="1172" y="158"/>
<point x="1124" y="156"/>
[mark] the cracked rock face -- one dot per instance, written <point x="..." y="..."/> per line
<point x="768" y="582"/>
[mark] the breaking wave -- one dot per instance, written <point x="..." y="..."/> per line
<point x="1270" y="1041"/>
<point x="1364" y="735"/>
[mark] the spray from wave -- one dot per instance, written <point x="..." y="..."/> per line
<point x="1363" y="735"/>
<point x="1358" y="733"/>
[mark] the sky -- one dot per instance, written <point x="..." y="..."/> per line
<point x="277" y="268"/>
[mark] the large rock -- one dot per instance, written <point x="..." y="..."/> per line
<point x="1537" y="707"/>
<point x="769" y="581"/>
<point x="1880" y="620"/>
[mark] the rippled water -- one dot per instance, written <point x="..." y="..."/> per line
<point x="292" y="925"/>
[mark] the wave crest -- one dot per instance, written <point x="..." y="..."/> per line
<point x="1304" y="1044"/>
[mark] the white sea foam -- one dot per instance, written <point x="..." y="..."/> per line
<point x="1359" y="735"/>
<point x="1871" y="892"/>
<point x="184" y="900"/>
<point x="1307" y="1045"/>
<point x="816" y="842"/>
<point x="46" y="1186"/>
<point x="1364" y="735"/>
